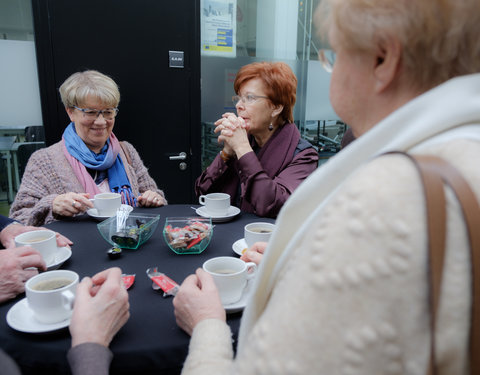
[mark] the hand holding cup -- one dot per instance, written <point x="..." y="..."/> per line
<point x="51" y="294"/>
<point x="43" y="240"/>
<point x="230" y="275"/>
<point x="107" y="204"/>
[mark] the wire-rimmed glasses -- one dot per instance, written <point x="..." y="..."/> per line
<point x="92" y="114"/>
<point x="247" y="99"/>
<point x="327" y="59"/>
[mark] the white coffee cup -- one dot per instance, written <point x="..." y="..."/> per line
<point x="107" y="204"/>
<point x="51" y="294"/>
<point x="230" y="275"/>
<point x="43" y="240"/>
<point x="256" y="232"/>
<point x="216" y="203"/>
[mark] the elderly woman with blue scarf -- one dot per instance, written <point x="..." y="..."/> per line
<point x="59" y="180"/>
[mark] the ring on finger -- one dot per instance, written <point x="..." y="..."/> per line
<point x="74" y="203"/>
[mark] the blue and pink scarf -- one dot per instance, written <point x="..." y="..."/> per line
<point x="81" y="157"/>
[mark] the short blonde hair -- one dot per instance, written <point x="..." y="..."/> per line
<point x="90" y="83"/>
<point x="439" y="37"/>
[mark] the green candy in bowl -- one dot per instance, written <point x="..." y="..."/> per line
<point x="188" y="235"/>
<point x="137" y="230"/>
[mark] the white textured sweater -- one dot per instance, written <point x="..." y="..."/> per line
<point x="342" y="288"/>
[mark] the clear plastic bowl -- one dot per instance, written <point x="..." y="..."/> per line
<point x="138" y="229"/>
<point x="187" y="235"/>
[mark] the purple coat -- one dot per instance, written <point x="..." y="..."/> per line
<point x="261" y="182"/>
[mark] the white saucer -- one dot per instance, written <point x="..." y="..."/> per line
<point x="92" y="212"/>
<point x="240" y="305"/>
<point x="20" y="317"/>
<point x="239" y="245"/>
<point x="232" y="212"/>
<point x="61" y="257"/>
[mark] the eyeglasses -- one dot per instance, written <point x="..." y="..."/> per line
<point x="247" y="99"/>
<point x="92" y="114"/>
<point x="327" y="58"/>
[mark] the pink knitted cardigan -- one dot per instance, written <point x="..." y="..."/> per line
<point x="48" y="174"/>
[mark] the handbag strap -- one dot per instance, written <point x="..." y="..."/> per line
<point x="435" y="172"/>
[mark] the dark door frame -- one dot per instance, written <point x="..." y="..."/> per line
<point x="52" y="109"/>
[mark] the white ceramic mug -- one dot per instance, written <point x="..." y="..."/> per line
<point x="51" y="294"/>
<point x="107" y="204"/>
<point x="216" y="203"/>
<point x="230" y="275"/>
<point x="43" y="240"/>
<point x="256" y="232"/>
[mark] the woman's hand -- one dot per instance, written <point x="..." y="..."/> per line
<point x="17" y="265"/>
<point x="8" y="234"/>
<point x="71" y="204"/>
<point x="197" y="300"/>
<point x="233" y="134"/>
<point x="255" y="253"/>
<point x="101" y="308"/>
<point x="151" y="199"/>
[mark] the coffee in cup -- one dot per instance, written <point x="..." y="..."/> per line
<point x="51" y="294"/>
<point x="107" y="204"/>
<point x="43" y="240"/>
<point x="51" y="284"/>
<point x="230" y="275"/>
<point x="258" y="232"/>
<point x="216" y="204"/>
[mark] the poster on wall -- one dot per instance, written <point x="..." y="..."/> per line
<point x="218" y="27"/>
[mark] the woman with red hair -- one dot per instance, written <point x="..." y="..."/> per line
<point x="263" y="159"/>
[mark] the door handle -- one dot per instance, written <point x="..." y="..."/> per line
<point x="180" y="156"/>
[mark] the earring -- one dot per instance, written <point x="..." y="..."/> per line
<point x="270" y="127"/>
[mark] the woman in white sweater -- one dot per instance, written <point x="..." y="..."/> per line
<point x="342" y="286"/>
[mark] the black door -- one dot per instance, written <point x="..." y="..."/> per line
<point x="130" y="41"/>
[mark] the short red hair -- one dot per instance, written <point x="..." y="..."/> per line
<point x="279" y="81"/>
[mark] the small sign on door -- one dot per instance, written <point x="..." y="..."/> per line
<point x="175" y="59"/>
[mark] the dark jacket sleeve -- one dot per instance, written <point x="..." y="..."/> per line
<point x="217" y="177"/>
<point x="267" y="195"/>
<point x="260" y="194"/>
<point x="89" y="358"/>
<point x="7" y="365"/>
<point x="4" y="221"/>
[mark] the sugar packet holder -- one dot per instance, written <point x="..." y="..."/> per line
<point x="162" y="281"/>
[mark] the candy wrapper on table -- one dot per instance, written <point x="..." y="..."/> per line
<point x="162" y="281"/>
<point x="128" y="280"/>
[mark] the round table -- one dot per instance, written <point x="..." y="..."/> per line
<point x="150" y="342"/>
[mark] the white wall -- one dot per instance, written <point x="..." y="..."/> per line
<point x="277" y="29"/>
<point x="19" y="91"/>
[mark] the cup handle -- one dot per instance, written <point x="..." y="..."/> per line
<point x="68" y="299"/>
<point x="201" y="199"/>
<point x="251" y="270"/>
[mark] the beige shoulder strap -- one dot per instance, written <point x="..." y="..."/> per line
<point x="435" y="172"/>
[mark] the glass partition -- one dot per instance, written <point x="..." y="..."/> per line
<point x="19" y="91"/>
<point x="265" y="30"/>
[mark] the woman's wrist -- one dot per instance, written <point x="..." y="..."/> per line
<point x="242" y="151"/>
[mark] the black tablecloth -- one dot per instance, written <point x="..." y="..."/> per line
<point x="150" y="342"/>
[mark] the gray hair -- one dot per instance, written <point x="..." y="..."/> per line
<point x="439" y="37"/>
<point x="90" y="83"/>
